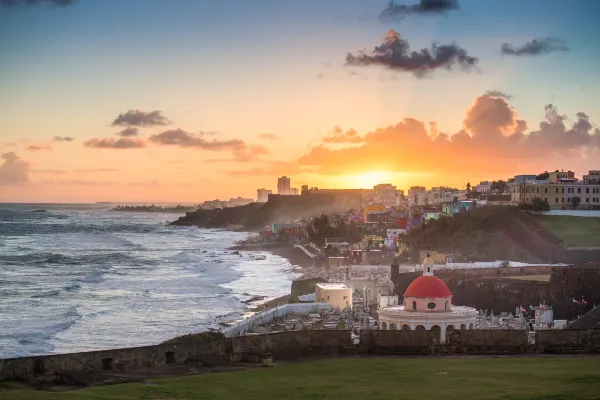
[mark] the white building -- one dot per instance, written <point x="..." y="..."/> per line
<point x="262" y="195"/>
<point x="338" y="295"/>
<point x="283" y="185"/>
<point x="484" y="187"/>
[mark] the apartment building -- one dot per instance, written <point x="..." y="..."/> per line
<point x="560" y="190"/>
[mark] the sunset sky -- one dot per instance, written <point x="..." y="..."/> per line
<point x="192" y="100"/>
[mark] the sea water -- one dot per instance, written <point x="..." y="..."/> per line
<point x="80" y="278"/>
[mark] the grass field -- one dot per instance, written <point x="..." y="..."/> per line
<point x="536" y="278"/>
<point x="370" y="378"/>
<point x="575" y="231"/>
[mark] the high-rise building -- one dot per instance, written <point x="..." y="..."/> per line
<point x="262" y="195"/>
<point x="283" y="185"/>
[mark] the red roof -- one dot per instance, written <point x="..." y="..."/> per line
<point x="428" y="287"/>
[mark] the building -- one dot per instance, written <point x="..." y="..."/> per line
<point x="459" y="206"/>
<point x="262" y="195"/>
<point x="562" y="189"/>
<point x="427" y="306"/>
<point x="288" y="229"/>
<point x="484" y="187"/>
<point x="416" y="193"/>
<point x="337" y="295"/>
<point x="386" y="194"/>
<point x="283" y="185"/>
<point x="592" y="177"/>
<point x="372" y="208"/>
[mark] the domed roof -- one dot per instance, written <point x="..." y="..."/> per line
<point x="428" y="287"/>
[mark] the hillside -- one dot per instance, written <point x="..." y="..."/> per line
<point x="575" y="231"/>
<point x="257" y="215"/>
<point x="488" y="234"/>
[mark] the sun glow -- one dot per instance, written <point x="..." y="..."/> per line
<point x="369" y="179"/>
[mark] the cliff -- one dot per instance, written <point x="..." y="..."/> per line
<point x="257" y="215"/>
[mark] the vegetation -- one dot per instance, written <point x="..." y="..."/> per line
<point x="155" y="208"/>
<point x="336" y="226"/>
<point x="536" y="204"/>
<point x="542" y="176"/>
<point x="535" y="278"/>
<point x="575" y="231"/>
<point x="208" y="336"/>
<point x="368" y="378"/>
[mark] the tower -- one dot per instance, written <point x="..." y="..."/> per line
<point x="427" y="266"/>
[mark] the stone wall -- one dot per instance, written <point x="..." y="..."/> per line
<point x="486" y="338"/>
<point x="397" y="338"/>
<point x="567" y="338"/>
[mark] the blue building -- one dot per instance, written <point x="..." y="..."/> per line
<point x="455" y="208"/>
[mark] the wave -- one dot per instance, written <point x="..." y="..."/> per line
<point x="72" y="288"/>
<point x="95" y="278"/>
<point x="47" y="294"/>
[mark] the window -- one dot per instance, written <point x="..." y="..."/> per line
<point x="578" y="190"/>
<point x="545" y="190"/>
<point x="431" y="305"/>
<point x="563" y="190"/>
<point x="556" y="190"/>
<point x="568" y="199"/>
<point x="537" y="190"/>
<point x="546" y="199"/>
<point x="414" y="305"/>
<point x="557" y="200"/>
<point x="587" y="190"/>
<point x="587" y="199"/>
<point x="107" y="364"/>
<point x="446" y="305"/>
<point x="170" y="357"/>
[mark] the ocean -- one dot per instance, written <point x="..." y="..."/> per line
<point x="80" y="278"/>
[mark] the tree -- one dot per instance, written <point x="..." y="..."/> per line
<point x="499" y="186"/>
<point x="455" y="200"/>
<point x="575" y="202"/>
<point x="468" y="186"/>
<point x="542" y="176"/>
<point x="536" y="204"/>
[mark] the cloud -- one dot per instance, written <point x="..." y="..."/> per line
<point x="181" y="138"/>
<point x="14" y="170"/>
<point x="535" y="47"/>
<point x="141" y="118"/>
<point x="268" y="136"/>
<point x="497" y="93"/>
<point x="11" y="3"/>
<point x="493" y="141"/>
<point x="339" y="136"/>
<point x="111" y="143"/>
<point x="63" y="139"/>
<point x="129" y="132"/>
<point x="395" y="12"/>
<point x="35" y="147"/>
<point x="395" y="54"/>
<point x="76" y="171"/>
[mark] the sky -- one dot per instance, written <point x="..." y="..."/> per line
<point x="193" y="100"/>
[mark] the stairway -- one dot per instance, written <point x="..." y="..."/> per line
<point x="589" y="320"/>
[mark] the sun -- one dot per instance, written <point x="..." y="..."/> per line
<point x="370" y="179"/>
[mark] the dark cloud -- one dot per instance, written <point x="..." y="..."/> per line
<point x="268" y="136"/>
<point x="111" y="143"/>
<point x="339" y="136"/>
<point x="11" y="3"/>
<point x="395" y="54"/>
<point x="141" y="118"/>
<point x="63" y="139"/>
<point x="498" y="93"/>
<point x="35" y="147"/>
<point x="240" y="149"/>
<point x="395" y="12"/>
<point x="14" y="170"/>
<point x="535" y="47"/>
<point x="129" y="132"/>
<point x="493" y="140"/>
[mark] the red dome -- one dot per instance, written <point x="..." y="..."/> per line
<point x="428" y="287"/>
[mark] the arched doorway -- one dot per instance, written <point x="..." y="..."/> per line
<point x="470" y="326"/>
<point x="449" y="328"/>
<point x="383" y="326"/>
<point x="405" y="327"/>
<point x="463" y="327"/>
<point x="437" y="331"/>
<point x="393" y="327"/>
<point x="420" y="328"/>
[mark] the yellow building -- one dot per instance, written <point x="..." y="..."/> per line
<point x="338" y="295"/>
<point x="368" y="208"/>
<point x="434" y="256"/>
<point x="557" y="194"/>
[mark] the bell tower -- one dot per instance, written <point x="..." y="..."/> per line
<point x="427" y="266"/>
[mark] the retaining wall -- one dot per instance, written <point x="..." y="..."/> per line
<point x="397" y="338"/>
<point x="487" y="338"/>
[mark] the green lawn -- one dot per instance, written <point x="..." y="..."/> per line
<point x="370" y="379"/>
<point x="575" y="231"/>
<point x="536" y="278"/>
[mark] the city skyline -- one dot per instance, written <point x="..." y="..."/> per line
<point x="186" y="101"/>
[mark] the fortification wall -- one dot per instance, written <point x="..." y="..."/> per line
<point x="297" y="344"/>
